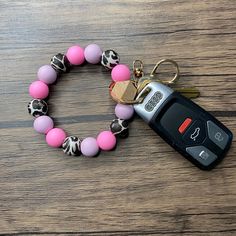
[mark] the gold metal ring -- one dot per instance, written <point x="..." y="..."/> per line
<point x="174" y="79"/>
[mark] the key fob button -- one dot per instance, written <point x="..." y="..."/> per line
<point x="196" y="133"/>
<point x="202" y="154"/>
<point x="217" y="135"/>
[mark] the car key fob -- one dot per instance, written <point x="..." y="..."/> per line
<point x="187" y="127"/>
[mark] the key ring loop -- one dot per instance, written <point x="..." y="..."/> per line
<point x="174" y="79"/>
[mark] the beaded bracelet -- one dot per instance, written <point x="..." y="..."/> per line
<point x="47" y="75"/>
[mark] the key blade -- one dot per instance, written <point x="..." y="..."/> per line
<point x="142" y="83"/>
<point x="190" y="92"/>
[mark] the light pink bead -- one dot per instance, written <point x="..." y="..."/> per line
<point x="106" y="140"/>
<point x="93" y="53"/>
<point x="120" y="73"/>
<point x="38" y="89"/>
<point x="43" y="124"/>
<point x="75" y="55"/>
<point x="89" y="147"/>
<point x="47" y="74"/>
<point x="124" y="112"/>
<point x="55" y="137"/>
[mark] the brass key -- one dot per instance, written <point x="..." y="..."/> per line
<point x="189" y="92"/>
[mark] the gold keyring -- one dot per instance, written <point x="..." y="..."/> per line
<point x="175" y="78"/>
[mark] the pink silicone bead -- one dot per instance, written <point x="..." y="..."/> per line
<point x="75" y="55"/>
<point x="89" y="147"/>
<point x="55" y="137"/>
<point x="106" y="140"/>
<point x="43" y="124"/>
<point x="93" y="53"/>
<point x="124" y="112"/>
<point x="38" y="89"/>
<point x="47" y="74"/>
<point x="120" y="73"/>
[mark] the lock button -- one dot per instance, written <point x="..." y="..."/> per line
<point x="217" y="135"/>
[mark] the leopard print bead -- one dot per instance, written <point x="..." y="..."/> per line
<point x="71" y="146"/>
<point x="37" y="107"/>
<point x="110" y="59"/>
<point x="120" y="128"/>
<point x="60" y="63"/>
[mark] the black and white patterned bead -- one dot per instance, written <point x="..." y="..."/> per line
<point x="120" y="128"/>
<point x="110" y="59"/>
<point x="37" y="107"/>
<point x="60" y="63"/>
<point x="71" y="146"/>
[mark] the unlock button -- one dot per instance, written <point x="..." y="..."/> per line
<point x="217" y="135"/>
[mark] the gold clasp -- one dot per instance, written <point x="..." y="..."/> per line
<point x="176" y="76"/>
<point x="138" y="69"/>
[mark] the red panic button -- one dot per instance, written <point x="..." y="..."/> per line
<point x="185" y="125"/>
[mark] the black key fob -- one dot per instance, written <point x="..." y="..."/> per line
<point x="187" y="127"/>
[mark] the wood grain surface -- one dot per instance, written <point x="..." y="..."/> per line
<point x="144" y="187"/>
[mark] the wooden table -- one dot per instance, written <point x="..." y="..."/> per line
<point x="144" y="187"/>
